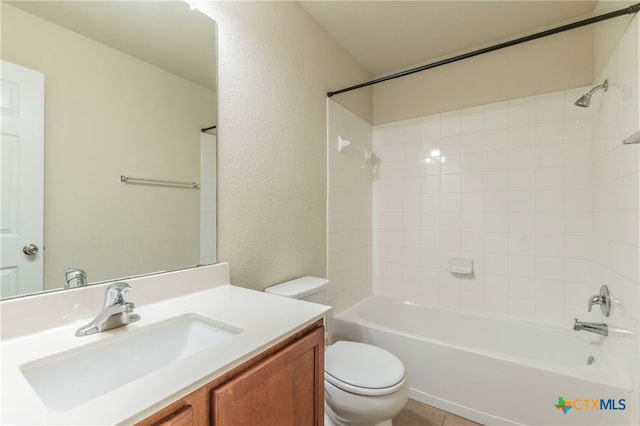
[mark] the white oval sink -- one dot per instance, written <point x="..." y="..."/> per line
<point x="69" y="379"/>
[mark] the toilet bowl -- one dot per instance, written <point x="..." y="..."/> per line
<point x="364" y="384"/>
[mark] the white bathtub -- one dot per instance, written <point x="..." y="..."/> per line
<point x="491" y="369"/>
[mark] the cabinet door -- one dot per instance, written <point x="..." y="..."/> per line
<point x="286" y="388"/>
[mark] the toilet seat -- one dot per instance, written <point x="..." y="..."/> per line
<point x="363" y="369"/>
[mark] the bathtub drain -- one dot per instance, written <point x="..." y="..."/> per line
<point x="591" y="360"/>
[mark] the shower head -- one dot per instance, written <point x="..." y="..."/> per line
<point x="585" y="99"/>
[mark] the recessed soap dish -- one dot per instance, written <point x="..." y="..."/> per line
<point x="461" y="265"/>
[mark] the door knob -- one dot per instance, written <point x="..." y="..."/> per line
<point x="30" y="249"/>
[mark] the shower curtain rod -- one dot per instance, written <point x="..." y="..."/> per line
<point x="625" y="11"/>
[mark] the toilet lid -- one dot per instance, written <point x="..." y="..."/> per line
<point x="362" y="368"/>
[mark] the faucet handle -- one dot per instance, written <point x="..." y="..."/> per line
<point x="116" y="293"/>
<point x="594" y="300"/>
<point x="603" y="299"/>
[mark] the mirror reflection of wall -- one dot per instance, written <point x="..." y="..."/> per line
<point x="107" y="114"/>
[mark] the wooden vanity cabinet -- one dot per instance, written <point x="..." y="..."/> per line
<point x="282" y="386"/>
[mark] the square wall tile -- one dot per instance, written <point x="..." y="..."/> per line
<point x="550" y="107"/>
<point x="472" y="120"/>
<point x="496" y="116"/>
<point x="522" y="111"/>
<point x="451" y="123"/>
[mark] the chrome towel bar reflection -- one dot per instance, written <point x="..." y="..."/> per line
<point x="130" y="179"/>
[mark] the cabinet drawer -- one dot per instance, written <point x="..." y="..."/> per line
<point x="182" y="417"/>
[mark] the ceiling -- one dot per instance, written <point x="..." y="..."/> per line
<point x="382" y="36"/>
<point x="388" y="36"/>
<point x="167" y="34"/>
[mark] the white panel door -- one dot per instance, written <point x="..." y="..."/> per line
<point x="21" y="180"/>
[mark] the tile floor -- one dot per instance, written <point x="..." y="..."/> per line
<point x="418" y="414"/>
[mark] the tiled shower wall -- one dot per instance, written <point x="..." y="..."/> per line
<point x="616" y="217"/>
<point x="541" y="194"/>
<point x="506" y="184"/>
<point x="349" y="208"/>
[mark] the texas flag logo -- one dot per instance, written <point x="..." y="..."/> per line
<point x="563" y="405"/>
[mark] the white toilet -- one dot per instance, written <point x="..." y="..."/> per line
<point x="364" y="384"/>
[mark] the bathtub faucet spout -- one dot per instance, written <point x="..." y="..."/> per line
<point x="592" y="327"/>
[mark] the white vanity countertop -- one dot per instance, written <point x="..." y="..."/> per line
<point x="265" y="320"/>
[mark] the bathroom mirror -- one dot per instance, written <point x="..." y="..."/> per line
<point x="128" y="88"/>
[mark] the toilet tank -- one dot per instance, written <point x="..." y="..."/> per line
<point x="311" y="289"/>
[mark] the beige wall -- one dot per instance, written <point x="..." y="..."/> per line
<point x="607" y="34"/>
<point x="563" y="61"/>
<point x="553" y="63"/>
<point x="109" y="114"/>
<point x="276" y="65"/>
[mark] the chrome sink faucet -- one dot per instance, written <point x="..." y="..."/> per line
<point x="74" y="277"/>
<point x="115" y="313"/>
<point x="593" y="327"/>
